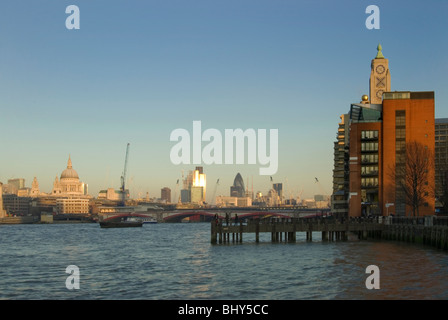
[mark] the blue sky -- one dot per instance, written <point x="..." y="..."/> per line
<point x="137" y="70"/>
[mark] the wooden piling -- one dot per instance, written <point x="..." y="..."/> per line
<point x="286" y="230"/>
<point x="213" y="238"/>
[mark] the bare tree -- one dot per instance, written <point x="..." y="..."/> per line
<point x="411" y="175"/>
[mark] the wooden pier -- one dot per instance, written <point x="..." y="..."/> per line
<point x="284" y="230"/>
<point x="431" y="231"/>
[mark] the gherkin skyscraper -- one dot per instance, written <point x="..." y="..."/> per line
<point x="237" y="190"/>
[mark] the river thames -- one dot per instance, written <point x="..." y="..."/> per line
<point x="178" y="262"/>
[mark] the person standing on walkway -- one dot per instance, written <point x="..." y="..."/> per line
<point x="216" y="219"/>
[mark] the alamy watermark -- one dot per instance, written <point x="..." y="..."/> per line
<point x="72" y="281"/>
<point x="373" y="20"/>
<point x="190" y="150"/>
<point x="73" y="20"/>
<point x="373" y="280"/>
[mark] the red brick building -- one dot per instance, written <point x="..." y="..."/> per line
<point x="379" y="129"/>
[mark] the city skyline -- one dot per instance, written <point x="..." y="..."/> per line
<point x="156" y="67"/>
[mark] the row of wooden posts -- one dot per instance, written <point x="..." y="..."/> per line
<point x="331" y="230"/>
<point x="285" y="230"/>
<point x="225" y="236"/>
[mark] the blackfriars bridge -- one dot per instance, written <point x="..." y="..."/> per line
<point x="208" y="214"/>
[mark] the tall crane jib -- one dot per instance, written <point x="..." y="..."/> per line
<point x="123" y="178"/>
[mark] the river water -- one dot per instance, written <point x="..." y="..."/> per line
<point x="177" y="261"/>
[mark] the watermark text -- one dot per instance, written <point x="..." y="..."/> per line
<point x="190" y="150"/>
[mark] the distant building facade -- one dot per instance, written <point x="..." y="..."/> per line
<point x="185" y="196"/>
<point x="165" y="194"/>
<point x="16" y="205"/>
<point x="278" y="187"/>
<point x="14" y="185"/>
<point x="194" y="187"/>
<point x="72" y="206"/>
<point x="441" y="161"/>
<point x="112" y="194"/>
<point x="339" y="198"/>
<point x="223" y="201"/>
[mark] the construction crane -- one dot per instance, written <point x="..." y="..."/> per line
<point x="289" y="191"/>
<point x="299" y="197"/>
<point x="320" y="186"/>
<point x="177" y="192"/>
<point x="123" y="178"/>
<point x="178" y="187"/>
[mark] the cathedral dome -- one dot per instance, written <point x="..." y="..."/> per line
<point x="69" y="173"/>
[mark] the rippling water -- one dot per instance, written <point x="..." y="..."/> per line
<point x="177" y="261"/>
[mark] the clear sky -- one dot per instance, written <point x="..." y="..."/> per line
<point x="137" y="70"/>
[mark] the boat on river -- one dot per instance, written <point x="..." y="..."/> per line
<point x="120" y="224"/>
<point x="145" y="220"/>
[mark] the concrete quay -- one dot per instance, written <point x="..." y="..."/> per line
<point x="18" y="220"/>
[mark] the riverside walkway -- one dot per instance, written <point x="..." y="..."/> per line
<point x="427" y="230"/>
